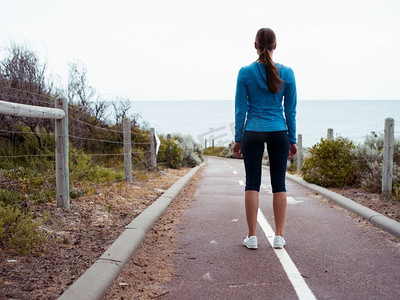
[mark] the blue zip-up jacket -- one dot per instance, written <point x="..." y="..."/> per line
<point x="258" y="109"/>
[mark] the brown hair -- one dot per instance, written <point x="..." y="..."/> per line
<point x="266" y="43"/>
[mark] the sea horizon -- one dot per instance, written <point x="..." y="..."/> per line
<point x="214" y="119"/>
<point x="212" y="100"/>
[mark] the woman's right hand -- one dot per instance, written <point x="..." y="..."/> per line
<point x="292" y="151"/>
<point x="237" y="149"/>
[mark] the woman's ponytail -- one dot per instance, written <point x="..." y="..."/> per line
<point x="266" y="43"/>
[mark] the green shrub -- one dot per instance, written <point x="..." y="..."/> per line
<point x="367" y="162"/>
<point x="19" y="232"/>
<point x="76" y="193"/>
<point x="217" y="151"/>
<point x="170" y="153"/>
<point x="9" y="197"/>
<point x="192" y="155"/>
<point x="25" y="142"/>
<point x="140" y="147"/>
<point x="42" y="196"/>
<point x="79" y="163"/>
<point x="329" y="163"/>
<point x="227" y="151"/>
<point x="83" y="168"/>
<point x="396" y="191"/>
<point x="29" y="182"/>
<point x="102" y="175"/>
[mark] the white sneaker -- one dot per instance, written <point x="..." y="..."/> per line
<point x="251" y="242"/>
<point x="279" y="242"/>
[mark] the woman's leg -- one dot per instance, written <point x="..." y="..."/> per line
<point x="279" y="205"/>
<point x="278" y="151"/>
<point x="252" y="150"/>
<point x="251" y="204"/>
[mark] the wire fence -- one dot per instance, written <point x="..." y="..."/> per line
<point x="95" y="157"/>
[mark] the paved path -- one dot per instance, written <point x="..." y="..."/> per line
<point x="330" y="254"/>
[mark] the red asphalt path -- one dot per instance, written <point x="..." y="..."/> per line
<point x="334" y="255"/>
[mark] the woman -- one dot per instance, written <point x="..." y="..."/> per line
<point x="265" y="112"/>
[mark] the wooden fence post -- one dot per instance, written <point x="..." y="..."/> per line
<point x="300" y="153"/>
<point x="62" y="167"/>
<point x="127" y="149"/>
<point x="388" y="152"/>
<point x="153" y="156"/>
<point x="330" y="134"/>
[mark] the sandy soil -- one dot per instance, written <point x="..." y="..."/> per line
<point x="79" y="236"/>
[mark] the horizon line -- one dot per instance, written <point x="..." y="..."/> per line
<point x="221" y="100"/>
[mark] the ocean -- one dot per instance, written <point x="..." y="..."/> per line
<point x="207" y="120"/>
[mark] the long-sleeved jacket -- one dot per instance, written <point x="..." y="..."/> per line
<point x="258" y="109"/>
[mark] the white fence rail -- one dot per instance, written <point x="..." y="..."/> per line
<point x="60" y="114"/>
<point x="30" y="111"/>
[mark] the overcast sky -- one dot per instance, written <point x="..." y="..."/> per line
<point x="193" y="50"/>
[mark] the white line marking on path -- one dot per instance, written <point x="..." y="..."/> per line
<point x="291" y="200"/>
<point x="300" y="286"/>
<point x="241" y="182"/>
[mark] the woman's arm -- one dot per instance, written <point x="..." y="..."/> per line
<point x="290" y="103"/>
<point x="240" y="106"/>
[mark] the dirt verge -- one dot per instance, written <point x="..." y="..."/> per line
<point x="373" y="201"/>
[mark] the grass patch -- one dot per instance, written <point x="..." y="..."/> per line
<point x="19" y="232"/>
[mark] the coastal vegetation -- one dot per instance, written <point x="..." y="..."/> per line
<point x="341" y="163"/>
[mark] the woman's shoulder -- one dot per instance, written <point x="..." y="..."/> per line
<point x="283" y="67"/>
<point x="285" y="72"/>
<point x="247" y="68"/>
<point x="246" y="71"/>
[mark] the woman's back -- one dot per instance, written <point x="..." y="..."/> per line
<point x="263" y="109"/>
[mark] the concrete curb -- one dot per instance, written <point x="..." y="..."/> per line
<point x="375" y="218"/>
<point x="96" y="281"/>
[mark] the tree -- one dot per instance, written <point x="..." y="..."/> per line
<point x="22" y="80"/>
<point x="79" y="91"/>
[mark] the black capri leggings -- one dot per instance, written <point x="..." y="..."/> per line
<point x="278" y="152"/>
